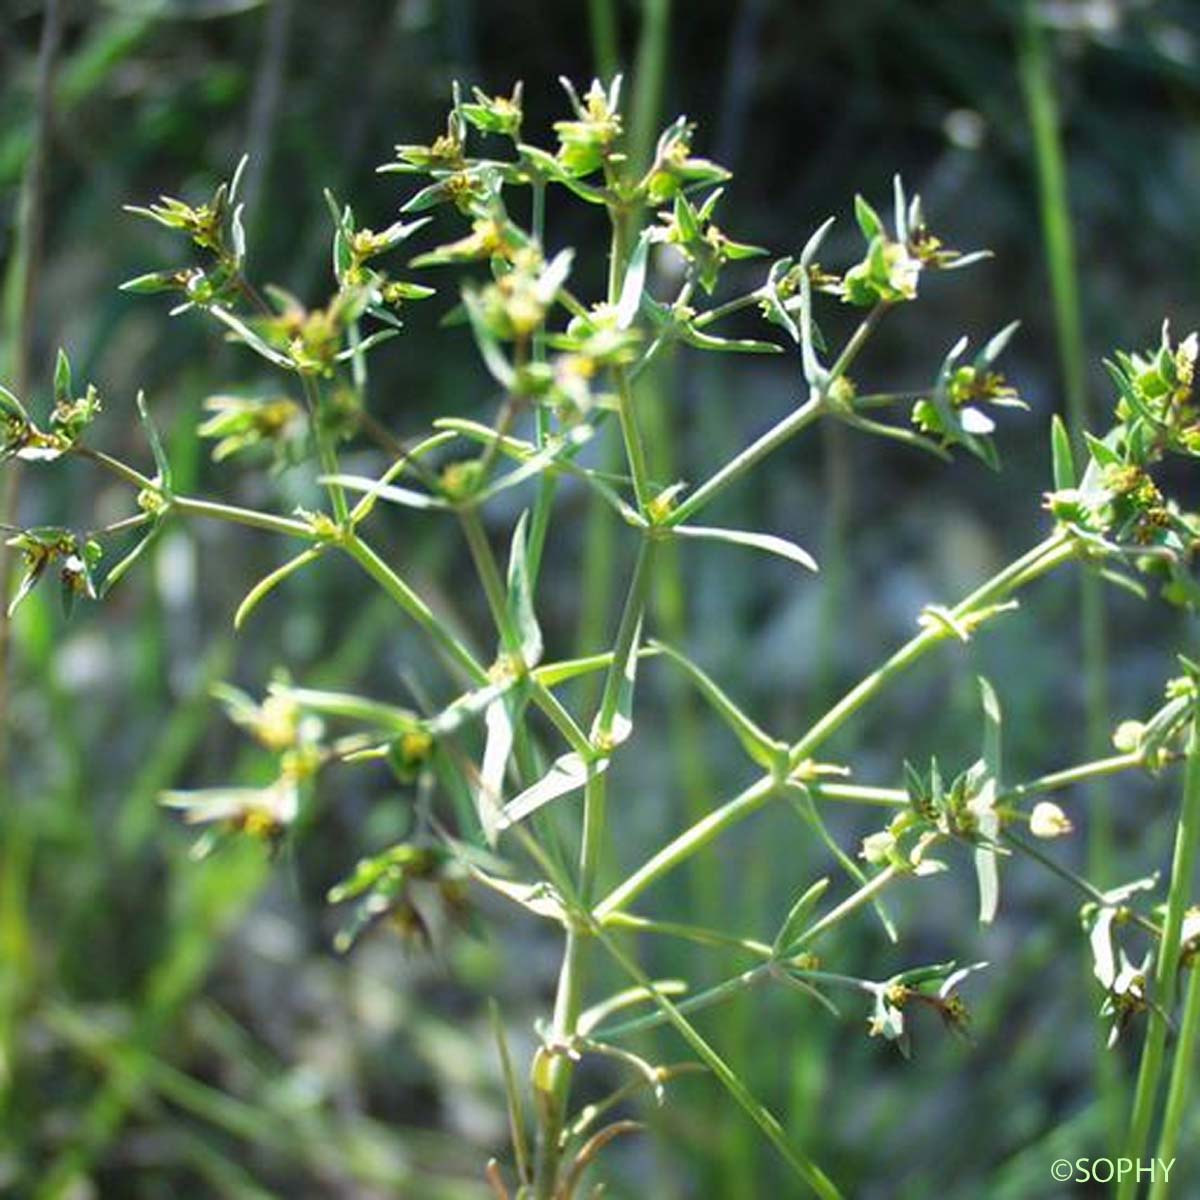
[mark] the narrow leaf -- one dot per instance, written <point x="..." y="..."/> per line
<point x="161" y="463"/>
<point x="244" y="334"/>
<point x="759" y="541"/>
<point x="376" y="490"/>
<point x="498" y="722"/>
<point x="270" y="581"/>
<point x="1062" y="458"/>
<point x="814" y="373"/>
<point x="567" y="774"/>
<point x="759" y="745"/>
<point x="120" y="569"/>
<point x="797" y="918"/>
<point x="868" y="219"/>
<point x="489" y="347"/>
<point x="520" y="596"/>
<point x="802" y="801"/>
<point x="62" y="378"/>
<point x="635" y="283"/>
<point x="986" y="869"/>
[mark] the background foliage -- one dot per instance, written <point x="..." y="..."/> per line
<point x="174" y="1029"/>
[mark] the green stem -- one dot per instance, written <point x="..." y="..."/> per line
<point x="562" y="720"/>
<point x="727" y="309"/>
<point x="784" y="429"/>
<point x="853" y="347"/>
<point x="1042" y="558"/>
<point x="1086" y="888"/>
<point x="548" y="482"/>
<point x="852" y="903"/>
<point x="215" y="510"/>
<point x="1055" y="781"/>
<point x="190" y="506"/>
<point x="690" y="933"/>
<point x="730" y="988"/>
<point x="767" y="1122"/>
<point x="635" y="451"/>
<point x="569" y="997"/>
<point x="326" y="453"/>
<point x="738" y="466"/>
<point x="1037" y="76"/>
<point x="1181" y="1078"/>
<point x="595" y="803"/>
<point x="1187" y="839"/>
<point x="631" y="619"/>
<point x="688" y="843"/>
<point x="489" y="576"/>
<point x="416" y="608"/>
<point x="117" y="467"/>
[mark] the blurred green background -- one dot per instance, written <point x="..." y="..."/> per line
<point x="175" y="1029"/>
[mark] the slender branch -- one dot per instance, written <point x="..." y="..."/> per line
<point x="118" y="468"/>
<point x="727" y="309"/>
<point x="1187" y="841"/>
<point x="1082" y="885"/>
<point x="1044" y="557"/>
<point x="858" y="339"/>
<point x="690" y="933"/>
<point x="217" y="511"/>
<point x="852" y="903"/>
<point x="733" y="470"/>
<point x="489" y="576"/>
<point x="635" y="451"/>
<point x="684" y="846"/>
<point x="1056" y="781"/>
<point x="416" y="608"/>
<point x="767" y="1122"/>
<point x="1181" y="1078"/>
<point x="326" y="453"/>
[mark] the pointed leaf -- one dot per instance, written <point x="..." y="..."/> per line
<point x="802" y="801"/>
<point x="707" y="341"/>
<point x="900" y="208"/>
<point x="814" y="373"/>
<point x="797" y="918"/>
<point x="489" y="346"/>
<point x="377" y="490"/>
<point x="868" y="220"/>
<point x="121" y="568"/>
<point x="759" y="745"/>
<point x="991" y="728"/>
<point x="1063" y="459"/>
<point x="272" y="580"/>
<point x="635" y="283"/>
<point x="759" y="541"/>
<point x="467" y="707"/>
<point x="498" y="722"/>
<point x="986" y="869"/>
<point x="62" y="378"/>
<point x="161" y="463"/>
<point x="996" y="346"/>
<point x="243" y="333"/>
<point x="567" y="774"/>
<point x="520" y="596"/>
